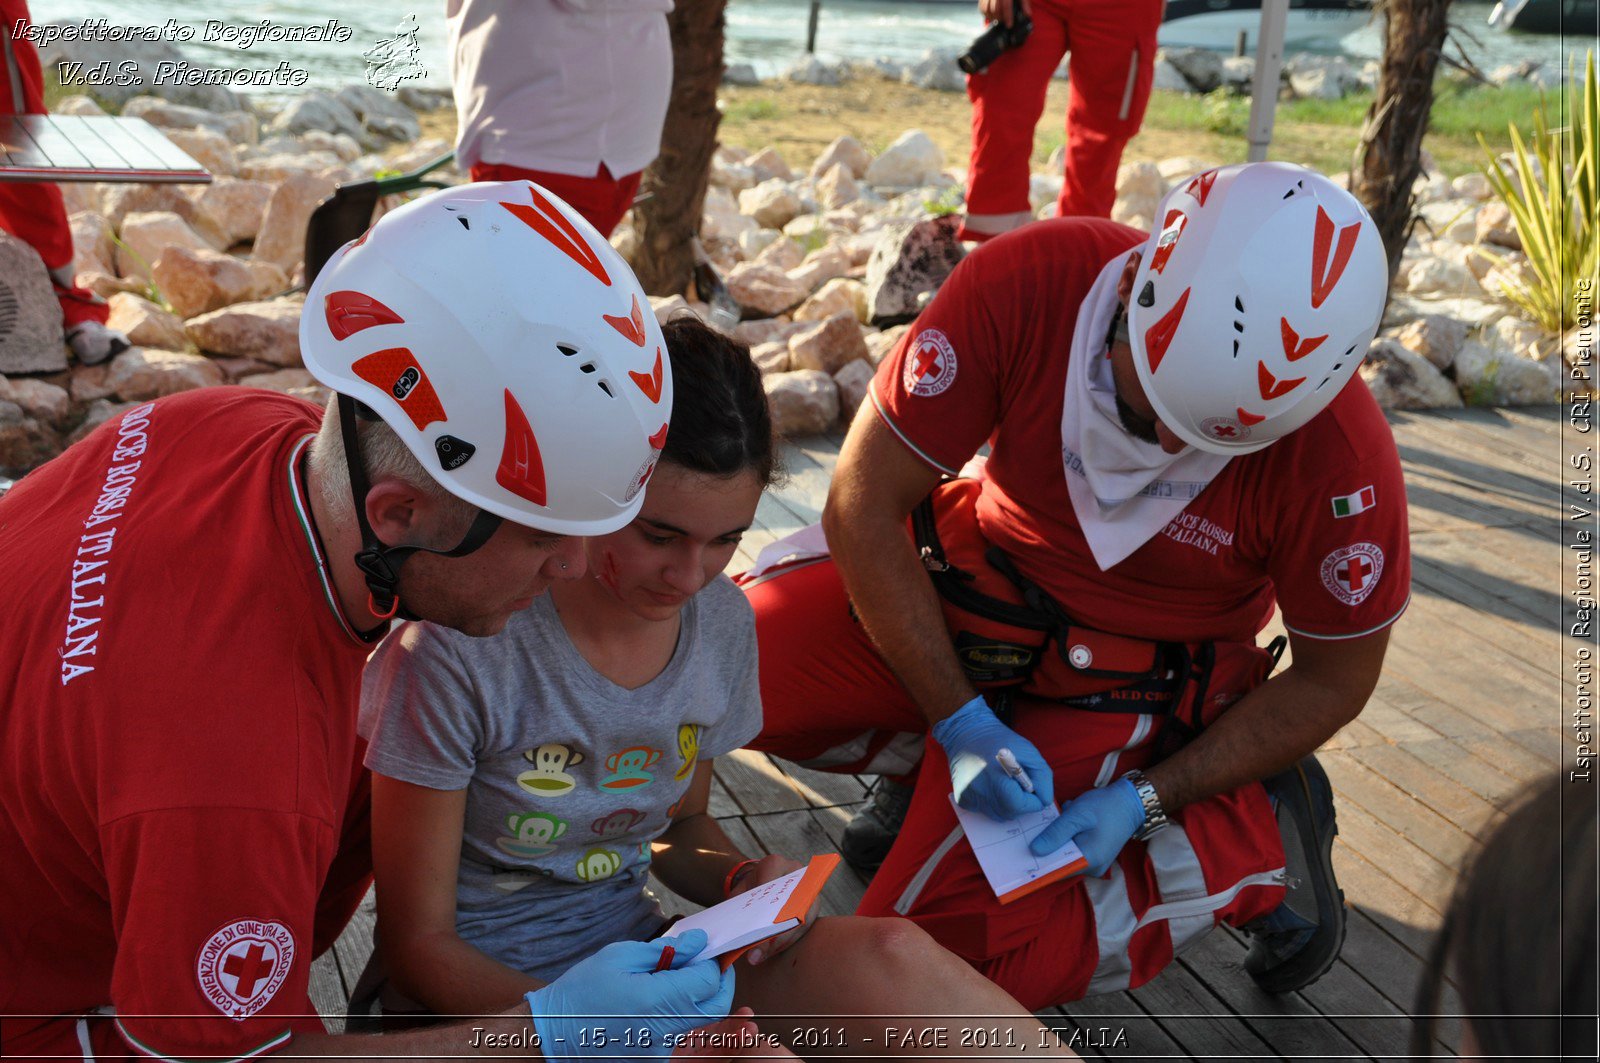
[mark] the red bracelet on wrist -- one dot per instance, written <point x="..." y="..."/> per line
<point x="733" y="875"/>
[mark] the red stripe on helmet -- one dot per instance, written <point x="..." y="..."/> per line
<point x="543" y="218"/>
<point x="1271" y="387"/>
<point x="388" y="371"/>
<point x="349" y="312"/>
<point x="521" y="468"/>
<point x="650" y="383"/>
<point x="1158" y="337"/>
<point x="631" y="326"/>
<point x="1247" y="418"/>
<point x="1295" y="348"/>
<point x="1325" y="274"/>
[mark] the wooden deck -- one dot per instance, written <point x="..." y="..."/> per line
<point x="1467" y="713"/>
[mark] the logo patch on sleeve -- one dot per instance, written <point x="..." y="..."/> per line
<point x="930" y="364"/>
<point x="242" y="966"/>
<point x="1351" y="572"/>
<point x="1351" y="504"/>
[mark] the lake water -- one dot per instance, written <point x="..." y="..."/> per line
<point x="770" y="34"/>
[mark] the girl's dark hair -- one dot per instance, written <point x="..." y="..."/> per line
<point x="1520" y="939"/>
<point x="720" y="421"/>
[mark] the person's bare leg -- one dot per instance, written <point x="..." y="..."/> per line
<point x="860" y="986"/>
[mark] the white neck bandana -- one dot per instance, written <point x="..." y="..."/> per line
<point x="1124" y="491"/>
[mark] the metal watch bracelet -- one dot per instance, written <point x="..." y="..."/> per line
<point x="1155" y="817"/>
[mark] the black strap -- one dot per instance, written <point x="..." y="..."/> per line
<point x="379" y="562"/>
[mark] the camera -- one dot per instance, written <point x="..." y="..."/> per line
<point x="994" y="42"/>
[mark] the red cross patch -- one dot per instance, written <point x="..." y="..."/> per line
<point x="930" y="364"/>
<point x="241" y="967"/>
<point x="1351" y="572"/>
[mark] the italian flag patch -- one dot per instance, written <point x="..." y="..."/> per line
<point x="1350" y="505"/>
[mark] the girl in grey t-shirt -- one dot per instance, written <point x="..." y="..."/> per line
<point x="526" y="784"/>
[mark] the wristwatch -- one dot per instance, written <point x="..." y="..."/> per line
<point x="1155" y="817"/>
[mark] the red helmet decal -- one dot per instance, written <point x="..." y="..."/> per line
<point x="1200" y="186"/>
<point x="521" y="468"/>
<point x="1247" y="418"/>
<point x="1158" y="337"/>
<point x="551" y="224"/>
<point x="1171" y="229"/>
<point x="397" y="371"/>
<point x="659" y="440"/>
<point x="1271" y="386"/>
<point x="631" y="326"/>
<point x="1295" y="348"/>
<point x="650" y="383"/>
<point x="349" y="312"/>
<point x="1324" y="274"/>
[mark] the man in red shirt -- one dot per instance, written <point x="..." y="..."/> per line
<point x="1139" y="529"/>
<point x="195" y="587"/>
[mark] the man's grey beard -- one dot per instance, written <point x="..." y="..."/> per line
<point x="1137" y="427"/>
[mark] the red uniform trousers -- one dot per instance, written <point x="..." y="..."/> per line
<point x="33" y="211"/>
<point x="601" y="199"/>
<point x="1111" y="68"/>
<point x="830" y="702"/>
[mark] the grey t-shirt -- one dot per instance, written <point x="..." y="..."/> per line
<point x="568" y="776"/>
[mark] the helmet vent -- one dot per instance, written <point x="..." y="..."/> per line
<point x="1238" y="326"/>
<point x="566" y="350"/>
<point x="1236" y="348"/>
<point x="1238" y="304"/>
<point x="606" y="388"/>
<point x="1299" y="186"/>
<point x="464" y="223"/>
<point x="587" y="367"/>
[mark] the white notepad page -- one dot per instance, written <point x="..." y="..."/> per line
<point x="745" y="919"/>
<point x="1002" y="848"/>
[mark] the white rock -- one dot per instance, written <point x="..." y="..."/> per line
<point x="196" y="280"/>
<point x="1320" y="77"/>
<point x="237" y="206"/>
<point x="829" y="344"/>
<point x="1239" y="72"/>
<point x="147" y="234"/>
<point x="280" y="380"/>
<point x="741" y="74"/>
<point x="1437" y="276"/>
<point x="78" y="106"/>
<point x="769" y="165"/>
<point x="1517" y="338"/>
<point x="1168" y="78"/>
<point x="839" y="295"/>
<point x="1453" y="219"/>
<point x="821" y="265"/>
<point x="879" y="344"/>
<point x="26" y="443"/>
<point x="39" y="399"/>
<point x="1495" y="226"/>
<point x="266" y="331"/>
<point x="1434" y="336"/>
<point x="770" y="203"/>
<point x="721" y="219"/>
<point x="936" y="70"/>
<point x="837" y="187"/>
<point x="753" y="241"/>
<point x="238" y="126"/>
<point x="207" y="147"/>
<point x="764" y="289"/>
<point x="1489" y="377"/>
<point x="771" y="357"/>
<point x="812" y="71"/>
<point x="142" y="373"/>
<point x="803" y="402"/>
<point x="1401" y="380"/>
<point x="1044" y="189"/>
<point x="846" y="151"/>
<point x="911" y="160"/>
<point x="1472" y="186"/>
<point x="910" y="259"/>
<point x="145" y="323"/>
<point x="1140" y="187"/>
<point x="125" y="199"/>
<point x="379" y="114"/>
<point x="853" y="381"/>
<point x="736" y="177"/>
<point x="279" y="168"/>
<point x="1200" y="67"/>
<point x="1179" y="168"/>
<point x="320" y="110"/>
<point x="91" y="242"/>
<point x="767" y="330"/>
<point x="783" y="253"/>
<point x="282" y="239"/>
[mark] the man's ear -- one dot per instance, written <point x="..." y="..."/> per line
<point x="397" y="511"/>
<point x="1130" y="269"/>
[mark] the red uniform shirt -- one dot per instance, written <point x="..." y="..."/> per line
<point x="1317" y="520"/>
<point x="177" y="737"/>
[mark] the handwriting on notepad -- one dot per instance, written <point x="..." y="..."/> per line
<point x="1011" y="868"/>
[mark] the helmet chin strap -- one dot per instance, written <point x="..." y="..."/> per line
<point x="379" y="562"/>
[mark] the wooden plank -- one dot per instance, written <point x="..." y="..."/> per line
<point x="1408" y="867"/>
<point x="353" y="948"/>
<point x="327" y="992"/>
<point x="1435" y="791"/>
<point x="799" y="835"/>
<point x="1287" y="1022"/>
<point x="1101" y="1019"/>
<point x="1193" y="1016"/>
<point x="824" y="789"/>
<point x="757" y="784"/>
<point x="1392" y="806"/>
<point x="720" y="803"/>
<point x="1454" y="761"/>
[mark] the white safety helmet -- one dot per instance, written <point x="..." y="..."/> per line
<point x="1254" y="303"/>
<point x="510" y="347"/>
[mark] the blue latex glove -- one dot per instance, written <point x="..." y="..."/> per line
<point x="614" y="1004"/>
<point x="971" y="736"/>
<point x="1101" y="821"/>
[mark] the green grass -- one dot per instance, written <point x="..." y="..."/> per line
<point x="750" y="111"/>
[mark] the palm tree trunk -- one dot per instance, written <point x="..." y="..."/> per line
<point x="1391" y="138"/>
<point x="667" y="222"/>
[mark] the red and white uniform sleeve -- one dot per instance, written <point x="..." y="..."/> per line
<point x="1341" y="562"/>
<point x="940" y="390"/>
<point x="213" y="910"/>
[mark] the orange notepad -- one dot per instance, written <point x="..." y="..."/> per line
<point x="1002" y="851"/>
<point x="740" y="923"/>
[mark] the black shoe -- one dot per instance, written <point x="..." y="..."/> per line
<point x="870" y="835"/>
<point x="1297" y="942"/>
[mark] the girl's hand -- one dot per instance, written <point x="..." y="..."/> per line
<point x="765" y="870"/>
<point x="1001" y="10"/>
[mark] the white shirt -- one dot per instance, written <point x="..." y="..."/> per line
<point x="560" y="85"/>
